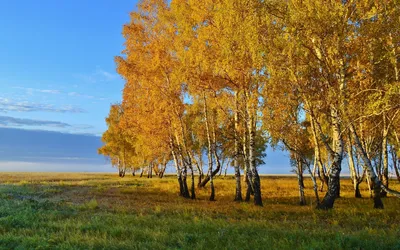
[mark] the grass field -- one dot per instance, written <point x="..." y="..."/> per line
<point x="103" y="211"/>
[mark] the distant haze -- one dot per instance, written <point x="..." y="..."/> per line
<point x="43" y="151"/>
<point x="35" y="150"/>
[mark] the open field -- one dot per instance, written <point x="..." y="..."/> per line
<point x="103" y="211"/>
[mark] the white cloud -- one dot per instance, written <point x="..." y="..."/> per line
<point x="50" y="91"/>
<point x="99" y="75"/>
<point x="107" y="75"/>
<point x="46" y="91"/>
<point x="83" y="127"/>
<point x="8" y="121"/>
<point x="88" y="78"/>
<point x="14" y="122"/>
<point x="76" y="94"/>
<point x="7" y="105"/>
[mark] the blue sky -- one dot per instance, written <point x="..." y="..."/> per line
<point x="57" y="73"/>
<point x="57" y="69"/>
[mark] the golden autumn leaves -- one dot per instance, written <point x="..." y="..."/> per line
<point x="297" y="72"/>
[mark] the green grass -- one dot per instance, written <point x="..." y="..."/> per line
<point x="97" y="211"/>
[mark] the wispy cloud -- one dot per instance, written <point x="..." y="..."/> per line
<point x="76" y="94"/>
<point x="31" y="91"/>
<point x="50" y="91"/>
<point x="7" y="105"/>
<point x="99" y="75"/>
<point x="106" y="75"/>
<point x="87" y="78"/>
<point x="14" y="122"/>
<point x="83" y="127"/>
<point x="45" y="91"/>
<point x="8" y="121"/>
<point x="80" y="95"/>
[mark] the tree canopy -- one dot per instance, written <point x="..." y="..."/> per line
<point x="223" y="79"/>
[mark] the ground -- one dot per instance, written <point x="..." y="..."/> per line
<point x="103" y="211"/>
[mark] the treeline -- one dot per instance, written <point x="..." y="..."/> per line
<point x="225" y="78"/>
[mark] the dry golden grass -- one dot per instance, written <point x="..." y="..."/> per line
<point x="123" y="203"/>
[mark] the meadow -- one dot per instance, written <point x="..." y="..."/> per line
<point x="103" y="211"/>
